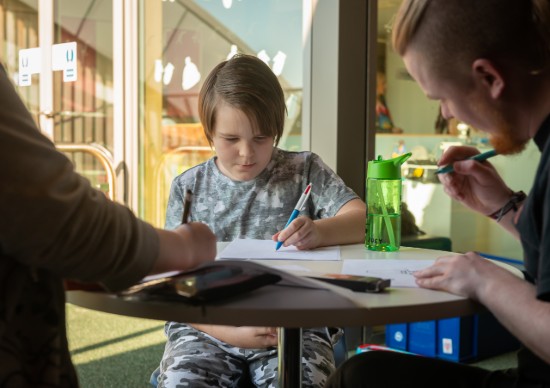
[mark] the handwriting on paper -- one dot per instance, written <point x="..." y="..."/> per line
<point x="399" y="271"/>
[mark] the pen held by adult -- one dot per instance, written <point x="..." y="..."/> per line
<point x="476" y="185"/>
<point x="186" y="206"/>
<point x="185" y="247"/>
<point x="479" y="157"/>
<point x="457" y="154"/>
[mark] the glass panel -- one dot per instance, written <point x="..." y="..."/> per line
<point x="83" y="108"/>
<point x="182" y="41"/>
<point x="20" y="31"/>
<point x="401" y="104"/>
<point x="427" y="135"/>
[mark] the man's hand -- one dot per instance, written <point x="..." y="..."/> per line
<point x="462" y="274"/>
<point x="476" y="184"/>
<point x="185" y="247"/>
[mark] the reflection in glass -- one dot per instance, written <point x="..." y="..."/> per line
<point x="82" y="72"/>
<point x="182" y="41"/>
<point x="191" y="75"/>
<point x="19" y="32"/>
<point x="84" y="108"/>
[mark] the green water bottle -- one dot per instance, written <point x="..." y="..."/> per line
<point x="383" y="228"/>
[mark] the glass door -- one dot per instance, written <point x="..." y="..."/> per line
<point x="181" y="42"/>
<point x="60" y="55"/>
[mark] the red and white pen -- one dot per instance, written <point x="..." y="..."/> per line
<point x="297" y="209"/>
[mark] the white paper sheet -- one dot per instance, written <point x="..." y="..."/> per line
<point x="250" y="249"/>
<point x="399" y="271"/>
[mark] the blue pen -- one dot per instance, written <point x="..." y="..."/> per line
<point x="296" y="211"/>
<point x="479" y="157"/>
<point x="499" y="258"/>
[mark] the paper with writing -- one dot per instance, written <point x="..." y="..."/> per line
<point x="251" y="249"/>
<point x="399" y="271"/>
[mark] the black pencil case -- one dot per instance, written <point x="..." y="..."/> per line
<point x="210" y="282"/>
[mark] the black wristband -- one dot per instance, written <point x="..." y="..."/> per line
<point x="516" y="198"/>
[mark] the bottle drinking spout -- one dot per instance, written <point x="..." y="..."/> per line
<point x="398" y="161"/>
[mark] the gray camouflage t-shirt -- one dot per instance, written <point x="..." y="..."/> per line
<point x="260" y="207"/>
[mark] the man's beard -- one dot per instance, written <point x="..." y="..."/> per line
<point x="504" y="136"/>
<point x="506" y="141"/>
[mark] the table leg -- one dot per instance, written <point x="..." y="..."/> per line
<point x="290" y="357"/>
<point x="366" y="334"/>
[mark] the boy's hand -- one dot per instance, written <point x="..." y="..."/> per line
<point x="302" y="233"/>
<point x="246" y="337"/>
<point x="254" y="337"/>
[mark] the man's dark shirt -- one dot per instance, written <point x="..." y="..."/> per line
<point x="534" y="228"/>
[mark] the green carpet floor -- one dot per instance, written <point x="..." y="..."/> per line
<point x="112" y="350"/>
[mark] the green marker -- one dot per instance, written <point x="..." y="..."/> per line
<point x="479" y="157"/>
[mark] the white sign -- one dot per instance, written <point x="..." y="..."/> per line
<point x="64" y="58"/>
<point x="30" y="62"/>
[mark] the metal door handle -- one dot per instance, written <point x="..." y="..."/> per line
<point x="99" y="152"/>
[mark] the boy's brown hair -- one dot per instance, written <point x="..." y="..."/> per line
<point x="248" y="84"/>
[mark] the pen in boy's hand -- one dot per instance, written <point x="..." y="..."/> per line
<point x="186" y="206"/>
<point x="296" y="211"/>
<point x="479" y="157"/>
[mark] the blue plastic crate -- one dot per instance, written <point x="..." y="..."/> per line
<point x="423" y="338"/>
<point x="459" y="339"/>
<point x="397" y="336"/>
<point x="456" y="338"/>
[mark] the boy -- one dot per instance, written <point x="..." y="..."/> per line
<point x="248" y="190"/>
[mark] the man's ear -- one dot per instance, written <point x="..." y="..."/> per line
<point x="489" y="76"/>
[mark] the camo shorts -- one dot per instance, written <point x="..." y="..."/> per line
<point x="193" y="358"/>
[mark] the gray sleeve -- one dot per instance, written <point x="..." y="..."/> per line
<point x="329" y="192"/>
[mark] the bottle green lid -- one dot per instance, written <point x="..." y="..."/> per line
<point x="386" y="169"/>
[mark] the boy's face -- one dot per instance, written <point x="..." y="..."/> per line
<point x="242" y="153"/>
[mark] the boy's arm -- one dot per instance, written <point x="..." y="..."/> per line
<point x="346" y="227"/>
<point x="242" y="336"/>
